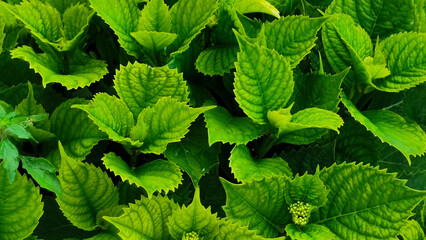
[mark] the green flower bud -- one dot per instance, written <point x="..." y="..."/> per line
<point x="300" y="212"/>
<point x="190" y="236"/>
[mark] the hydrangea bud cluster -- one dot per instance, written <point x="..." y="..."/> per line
<point x="190" y="236"/>
<point x="301" y="212"/>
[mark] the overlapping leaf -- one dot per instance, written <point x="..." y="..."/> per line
<point x="255" y="6"/>
<point x="309" y="232"/>
<point x="235" y="231"/>
<point x="217" y="60"/>
<point x="307" y="189"/>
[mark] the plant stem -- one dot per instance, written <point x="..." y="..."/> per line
<point x="266" y="145"/>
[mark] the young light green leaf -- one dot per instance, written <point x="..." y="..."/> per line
<point x="83" y="69"/>
<point x="77" y="133"/>
<point x="10" y="155"/>
<point x="154" y="41"/>
<point x="255" y="6"/>
<point x="167" y="121"/>
<point x="391" y="128"/>
<point x="309" y="232"/>
<point x="364" y="200"/>
<point x="105" y="236"/>
<point x="235" y="231"/>
<point x="187" y="23"/>
<point x="222" y="127"/>
<point x="263" y="81"/>
<point x="379" y="18"/>
<point x="153" y="176"/>
<point x="194" y="218"/>
<point x="307" y="189"/>
<point x="122" y="16"/>
<point x="412" y="231"/>
<point x="247" y="169"/>
<point x="141" y="86"/>
<point x="217" y="60"/>
<point x="193" y="153"/>
<point x="155" y="17"/>
<point x="111" y="115"/>
<point x="43" y="172"/>
<point x="293" y="36"/>
<point x="62" y="5"/>
<point x="260" y="205"/>
<point x="76" y="19"/>
<point x="404" y="53"/>
<point x="146" y="219"/>
<point x="77" y="180"/>
<point x="21" y="206"/>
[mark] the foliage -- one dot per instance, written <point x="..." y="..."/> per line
<point x="213" y="119"/>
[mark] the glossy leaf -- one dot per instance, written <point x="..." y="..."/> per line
<point x="307" y="189"/>
<point x="217" y="60"/>
<point x="234" y="231"/>
<point x="154" y="41"/>
<point x="43" y="172"/>
<point x="255" y="6"/>
<point x="10" y="155"/>
<point x="75" y="19"/>
<point x="155" y="16"/>
<point x="412" y="231"/>
<point x="309" y="232"/>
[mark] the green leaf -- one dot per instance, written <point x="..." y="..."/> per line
<point x="141" y="86"/>
<point x="391" y="128"/>
<point x="29" y="107"/>
<point x="153" y="176"/>
<point x="83" y="70"/>
<point x="154" y="41"/>
<point x="260" y="205"/>
<point x="307" y="189"/>
<point x="217" y="60"/>
<point x="193" y="153"/>
<point x="155" y="17"/>
<point x="379" y="18"/>
<point x="222" y="127"/>
<point x="104" y="236"/>
<point x="111" y="115"/>
<point x="247" y="169"/>
<point x="86" y="190"/>
<point x="43" y="172"/>
<point x="235" y="231"/>
<point x="293" y="36"/>
<point x="263" y="81"/>
<point x="367" y="203"/>
<point x="412" y="231"/>
<point x="414" y="98"/>
<point x="2" y="35"/>
<point x="187" y="23"/>
<point x="168" y="121"/>
<point x="255" y="6"/>
<point x="62" y="5"/>
<point x="404" y="54"/>
<point x="76" y="19"/>
<point x="122" y="16"/>
<point x="194" y="218"/>
<point x="10" y="155"/>
<point x="306" y="118"/>
<point x="21" y="206"/>
<point x="77" y="133"/>
<point x="309" y="232"/>
<point x="145" y="220"/>
<point x="40" y="18"/>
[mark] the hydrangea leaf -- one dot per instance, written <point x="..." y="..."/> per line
<point x="379" y="18"/>
<point x="235" y="231"/>
<point x="83" y="70"/>
<point x="155" y="16"/>
<point x="154" y="41"/>
<point x="104" y="236"/>
<point x="412" y="231"/>
<point x="404" y="53"/>
<point x="263" y="81"/>
<point x="10" y="155"/>
<point x="76" y="19"/>
<point x="167" y="121"/>
<point x="306" y="118"/>
<point x="141" y="86"/>
<point x="77" y="133"/>
<point x="260" y="205"/>
<point x="293" y="36"/>
<point x="247" y="169"/>
<point x="77" y="180"/>
<point x="367" y="203"/>
<point x="40" y="18"/>
<point x="146" y="219"/>
<point x="122" y="16"/>
<point x="223" y="127"/>
<point x="187" y="23"/>
<point x="318" y="90"/>
<point x="217" y="60"/>
<point x="2" y="34"/>
<point x="193" y="218"/>
<point x="309" y="232"/>
<point x="307" y="189"/>
<point x="62" y="5"/>
<point x="153" y="176"/>
<point x="391" y="128"/>
<point x="43" y="172"/>
<point x="255" y="6"/>
<point x="193" y="153"/>
<point x="21" y="206"/>
<point x="111" y="115"/>
<point x="414" y="98"/>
